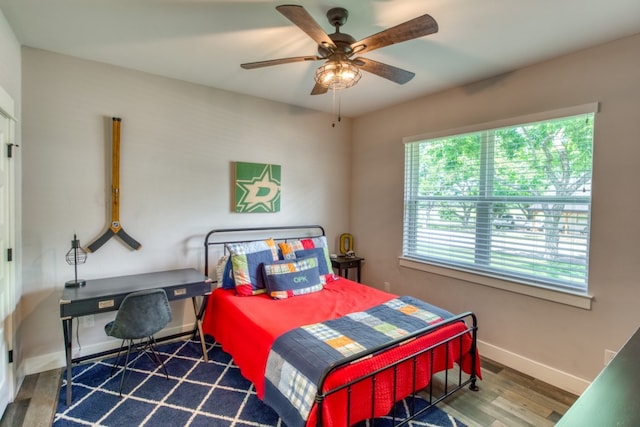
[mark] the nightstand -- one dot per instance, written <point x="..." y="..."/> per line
<point x="343" y="264"/>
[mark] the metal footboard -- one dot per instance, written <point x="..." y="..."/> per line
<point x="450" y="386"/>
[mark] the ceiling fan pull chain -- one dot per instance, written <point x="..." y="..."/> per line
<point x="333" y="90"/>
<point x="337" y="114"/>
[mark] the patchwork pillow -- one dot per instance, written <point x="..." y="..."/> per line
<point x="224" y="273"/>
<point x="246" y="260"/>
<point x="288" y="278"/>
<point x="317" y="246"/>
<point x="289" y="248"/>
<point x="319" y="253"/>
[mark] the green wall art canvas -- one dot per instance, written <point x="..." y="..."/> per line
<point x="257" y="187"/>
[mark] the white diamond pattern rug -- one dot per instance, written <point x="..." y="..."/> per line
<point x="196" y="394"/>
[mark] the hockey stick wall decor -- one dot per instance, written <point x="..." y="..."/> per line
<point x="115" y="228"/>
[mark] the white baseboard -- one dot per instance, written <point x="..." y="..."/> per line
<point x="46" y="362"/>
<point x="548" y="374"/>
<point x="545" y="373"/>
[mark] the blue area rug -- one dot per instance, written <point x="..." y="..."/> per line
<point x="196" y="394"/>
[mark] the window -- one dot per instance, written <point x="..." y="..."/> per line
<point x="510" y="201"/>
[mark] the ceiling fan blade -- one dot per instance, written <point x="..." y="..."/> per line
<point x="299" y="16"/>
<point x="318" y="89"/>
<point x="260" y="64"/>
<point x="389" y="72"/>
<point x="417" y="27"/>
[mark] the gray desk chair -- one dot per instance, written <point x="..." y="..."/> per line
<point x="140" y="316"/>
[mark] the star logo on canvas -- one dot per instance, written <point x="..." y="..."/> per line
<point x="260" y="193"/>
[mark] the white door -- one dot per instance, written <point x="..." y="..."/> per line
<point x="6" y="266"/>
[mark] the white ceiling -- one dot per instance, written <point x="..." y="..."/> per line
<point x="205" y="41"/>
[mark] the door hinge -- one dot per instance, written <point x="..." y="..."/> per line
<point x="10" y="254"/>
<point x="10" y="356"/>
<point x="10" y="150"/>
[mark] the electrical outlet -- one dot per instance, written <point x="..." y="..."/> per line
<point x="608" y="356"/>
<point x="88" y="321"/>
<point x="387" y="286"/>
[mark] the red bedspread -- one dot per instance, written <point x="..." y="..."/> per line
<point x="246" y="327"/>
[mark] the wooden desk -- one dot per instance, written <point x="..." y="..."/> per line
<point x="343" y="264"/>
<point x="103" y="295"/>
<point x="610" y="400"/>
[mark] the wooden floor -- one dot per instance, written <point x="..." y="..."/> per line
<point x="36" y="401"/>
<point x="506" y="398"/>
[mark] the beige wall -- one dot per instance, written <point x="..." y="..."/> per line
<point x="540" y="334"/>
<point x="9" y="62"/>
<point x="178" y="143"/>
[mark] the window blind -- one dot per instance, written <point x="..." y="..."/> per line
<point x="512" y="202"/>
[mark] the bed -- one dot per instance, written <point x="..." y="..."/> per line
<point x="331" y="353"/>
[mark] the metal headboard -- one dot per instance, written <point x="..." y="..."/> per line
<point x="222" y="236"/>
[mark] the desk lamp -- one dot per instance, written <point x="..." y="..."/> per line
<point x="75" y="256"/>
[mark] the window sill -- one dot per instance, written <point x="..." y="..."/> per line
<point x="573" y="299"/>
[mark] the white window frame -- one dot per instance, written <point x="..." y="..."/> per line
<point x="577" y="299"/>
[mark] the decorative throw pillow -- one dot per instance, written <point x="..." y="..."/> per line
<point x="224" y="273"/>
<point x="246" y="260"/>
<point x="317" y="246"/>
<point x="288" y="278"/>
<point x="290" y="247"/>
<point x="319" y="253"/>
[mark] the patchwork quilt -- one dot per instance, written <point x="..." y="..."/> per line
<point x="292" y="375"/>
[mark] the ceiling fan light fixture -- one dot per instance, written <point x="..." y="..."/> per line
<point x="337" y="74"/>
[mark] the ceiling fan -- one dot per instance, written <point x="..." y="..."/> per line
<point x="339" y="70"/>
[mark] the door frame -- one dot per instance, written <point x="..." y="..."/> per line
<point x="7" y="111"/>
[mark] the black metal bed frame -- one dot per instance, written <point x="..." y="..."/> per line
<point x="462" y="379"/>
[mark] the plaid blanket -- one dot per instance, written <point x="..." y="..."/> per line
<point x="298" y="358"/>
